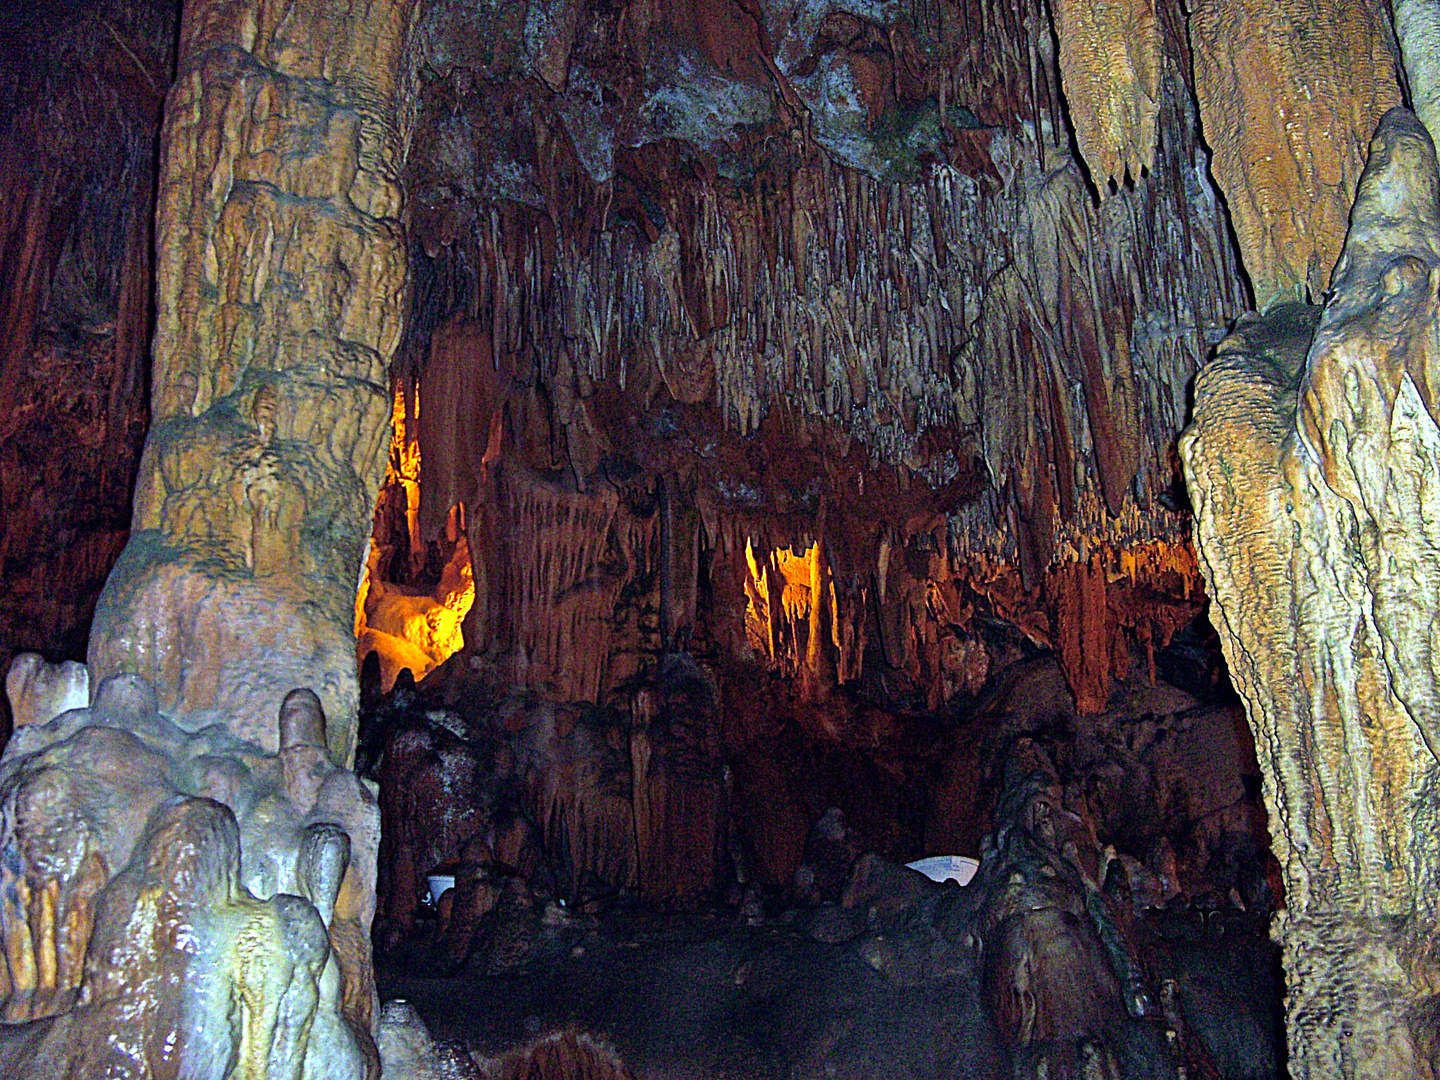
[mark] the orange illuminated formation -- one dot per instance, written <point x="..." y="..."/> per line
<point x="402" y="615"/>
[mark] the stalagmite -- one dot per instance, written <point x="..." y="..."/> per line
<point x="189" y="886"/>
<point x="156" y="877"/>
<point x="1311" y="465"/>
<point x="280" y="292"/>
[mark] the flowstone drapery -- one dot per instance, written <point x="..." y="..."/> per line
<point x="1313" y="463"/>
<point x="281" y="282"/>
<point x="183" y="904"/>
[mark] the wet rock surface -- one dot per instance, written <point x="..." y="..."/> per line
<point x="183" y="898"/>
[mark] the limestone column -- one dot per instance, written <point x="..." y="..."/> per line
<point x="1314" y="468"/>
<point x="280" y="297"/>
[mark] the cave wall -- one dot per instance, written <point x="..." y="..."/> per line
<point x="81" y="92"/>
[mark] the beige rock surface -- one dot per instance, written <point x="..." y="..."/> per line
<point x="1289" y="91"/>
<point x="281" y="281"/>
<point x="173" y="897"/>
<point x="1312" y="466"/>
<point x="1110" y="62"/>
<point x="38" y="691"/>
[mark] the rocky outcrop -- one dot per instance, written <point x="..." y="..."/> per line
<point x="176" y="898"/>
<point x="1311" y="463"/>
<point x="280" y="297"/>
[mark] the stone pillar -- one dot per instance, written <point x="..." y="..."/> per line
<point x="1314" y="468"/>
<point x="280" y="298"/>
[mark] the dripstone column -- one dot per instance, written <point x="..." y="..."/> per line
<point x="1314" y="468"/>
<point x="281" y="292"/>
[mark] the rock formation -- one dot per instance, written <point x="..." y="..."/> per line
<point x="1312" y="463"/>
<point x="190" y="886"/>
<point x="768" y="380"/>
<point x="184" y="901"/>
<point x="38" y="691"/>
<point x="1288" y="94"/>
<point x="1110" y="62"/>
<point x="281" y="288"/>
<point x="858" y="298"/>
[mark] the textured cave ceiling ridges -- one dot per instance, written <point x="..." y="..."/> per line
<point x="986" y="297"/>
<point x="867" y="239"/>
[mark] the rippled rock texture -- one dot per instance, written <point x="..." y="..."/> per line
<point x="1288" y="94"/>
<point x="280" y="296"/>
<point x="1312" y="465"/>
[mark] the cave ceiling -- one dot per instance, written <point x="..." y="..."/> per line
<point x="922" y="285"/>
<point x="839" y="270"/>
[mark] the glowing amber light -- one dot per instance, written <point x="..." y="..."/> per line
<point x="409" y="627"/>
<point x="778" y="633"/>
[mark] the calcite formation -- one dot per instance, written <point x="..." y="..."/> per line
<point x="857" y="297"/>
<point x="38" y="692"/>
<point x="1417" y="28"/>
<point x="280" y="293"/>
<point x="184" y="904"/>
<point x="1312" y="463"/>
<point x="1110" y="60"/>
<point x="1288" y="93"/>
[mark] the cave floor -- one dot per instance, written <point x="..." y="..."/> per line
<point x="712" y="995"/>
<point x="703" y="994"/>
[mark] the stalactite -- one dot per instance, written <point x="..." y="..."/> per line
<point x="1297" y="136"/>
<point x="980" y="327"/>
<point x="1110" y="62"/>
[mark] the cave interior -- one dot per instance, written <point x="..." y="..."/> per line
<point x="754" y="426"/>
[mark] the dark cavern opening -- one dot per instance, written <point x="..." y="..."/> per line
<point x="571" y="539"/>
